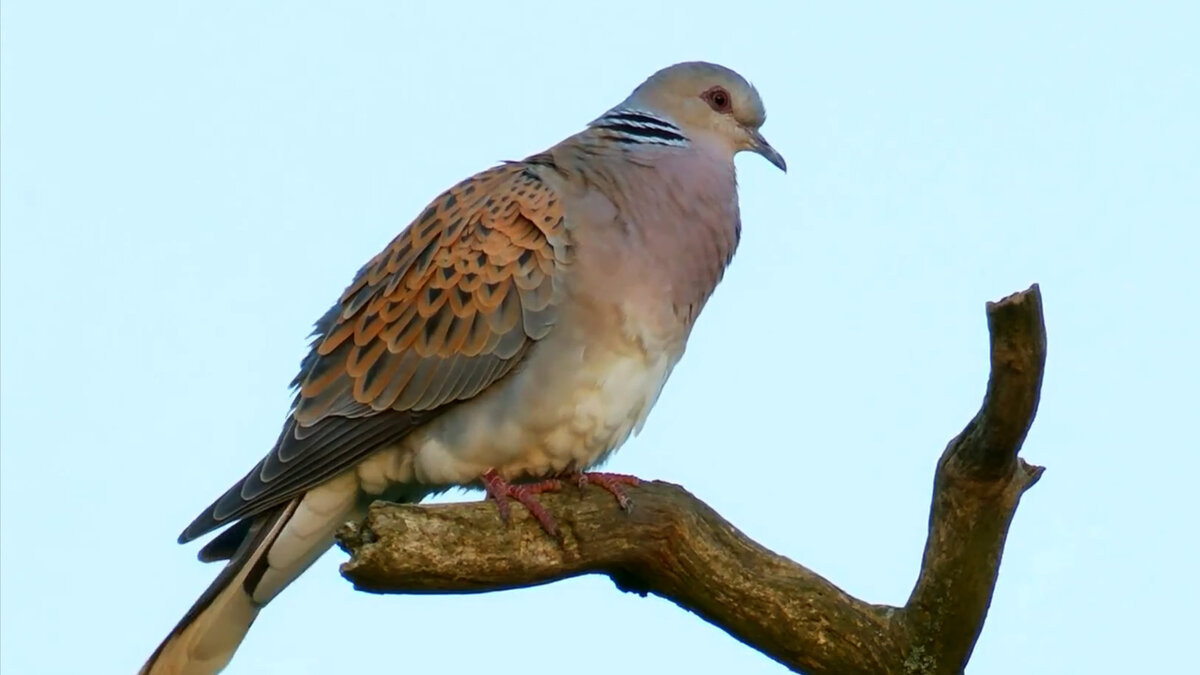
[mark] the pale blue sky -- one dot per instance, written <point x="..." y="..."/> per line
<point x="187" y="186"/>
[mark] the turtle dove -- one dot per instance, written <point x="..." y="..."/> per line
<point x="519" y="330"/>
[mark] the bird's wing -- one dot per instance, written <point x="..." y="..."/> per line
<point x="446" y="310"/>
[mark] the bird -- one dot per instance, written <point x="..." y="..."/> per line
<point x="511" y="338"/>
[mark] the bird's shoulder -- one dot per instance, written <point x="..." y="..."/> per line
<point x="475" y="275"/>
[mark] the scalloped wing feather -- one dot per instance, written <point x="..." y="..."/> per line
<point x="468" y="285"/>
<point x="447" y="309"/>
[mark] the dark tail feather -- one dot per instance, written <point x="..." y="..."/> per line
<point x="265" y="555"/>
<point x="204" y="640"/>
<point x="225" y="545"/>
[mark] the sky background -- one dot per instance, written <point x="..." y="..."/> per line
<point x="187" y="186"/>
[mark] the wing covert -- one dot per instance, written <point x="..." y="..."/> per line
<point x="448" y="308"/>
<point x="433" y="317"/>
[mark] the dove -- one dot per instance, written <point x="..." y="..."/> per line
<point x="510" y="338"/>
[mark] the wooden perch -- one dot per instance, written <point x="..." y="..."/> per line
<point x="673" y="545"/>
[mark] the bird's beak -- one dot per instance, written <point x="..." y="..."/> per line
<point x="761" y="146"/>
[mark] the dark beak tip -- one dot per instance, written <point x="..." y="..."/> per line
<point x="772" y="156"/>
<point x="762" y="147"/>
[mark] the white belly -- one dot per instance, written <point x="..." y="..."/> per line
<point x="566" y="409"/>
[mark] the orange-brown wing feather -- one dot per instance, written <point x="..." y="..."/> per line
<point x="449" y="307"/>
<point x="435" y="317"/>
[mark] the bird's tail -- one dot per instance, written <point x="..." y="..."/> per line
<point x="274" y="548"/>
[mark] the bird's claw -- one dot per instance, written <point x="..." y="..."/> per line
<point x="611" y="483"/>
<point x="525" y="494"/>
<point x="501" y="491"/>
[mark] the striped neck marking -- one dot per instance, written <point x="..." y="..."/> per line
<point x="633" y="127"/>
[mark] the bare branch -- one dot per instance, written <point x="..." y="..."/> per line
<point x="671" y="544"/>
<point x="978" y="483"/>
<point x="675" y="546"/>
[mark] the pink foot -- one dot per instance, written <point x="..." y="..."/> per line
<point x="524" y="494"/>
<point x="612" y="483"/>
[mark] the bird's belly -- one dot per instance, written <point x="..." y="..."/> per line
<point x="565" y="411"/>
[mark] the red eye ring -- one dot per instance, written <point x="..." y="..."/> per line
<point x="718" y="99"/>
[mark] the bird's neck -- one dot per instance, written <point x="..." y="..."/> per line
<point x="633" y="127"/>
<point x="675" y="222"/>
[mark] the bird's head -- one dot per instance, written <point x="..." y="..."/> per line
<point x="705" y="98"/>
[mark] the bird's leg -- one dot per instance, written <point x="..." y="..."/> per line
<point x="525" y="494"/>
<point x="611" y="482"/>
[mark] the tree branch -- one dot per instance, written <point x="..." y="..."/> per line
<point x="675" y="546"/>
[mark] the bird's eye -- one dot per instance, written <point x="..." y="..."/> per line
<point x="718" y="99"/>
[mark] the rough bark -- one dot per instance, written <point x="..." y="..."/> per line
<point x="675" y="546"/>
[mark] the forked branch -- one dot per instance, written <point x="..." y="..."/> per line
<point x="675" y="546"/>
